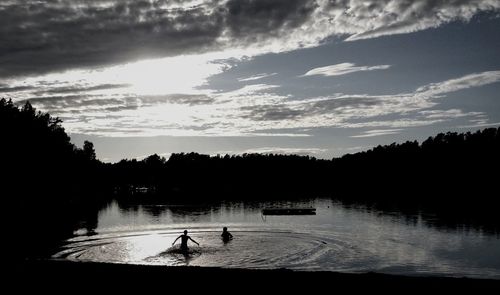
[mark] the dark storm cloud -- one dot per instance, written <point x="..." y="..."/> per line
<point x="51" y="36"/>
<point x="56" y="35"/>
<point x="44" y="36"/>
<point x="250" y="20"/>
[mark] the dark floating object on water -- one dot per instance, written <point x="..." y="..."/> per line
<point x="289" y="211"/>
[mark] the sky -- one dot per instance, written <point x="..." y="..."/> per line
<point x="310" y="77"/>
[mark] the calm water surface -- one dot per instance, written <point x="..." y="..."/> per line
<point x="337" y="238"/>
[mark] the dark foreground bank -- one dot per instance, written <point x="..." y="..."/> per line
<point x="87" y="276"/>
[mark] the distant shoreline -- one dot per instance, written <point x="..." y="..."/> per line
<point x="65" y="274"/>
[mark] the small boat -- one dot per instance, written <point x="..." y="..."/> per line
<point x="289" y="211"/>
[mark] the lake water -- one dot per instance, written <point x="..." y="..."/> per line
<point x="337" y="238"/>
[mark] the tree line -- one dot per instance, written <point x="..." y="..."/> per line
<point x="445" y="164"/>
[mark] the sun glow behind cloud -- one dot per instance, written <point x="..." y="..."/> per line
<point x="180" y="74"/>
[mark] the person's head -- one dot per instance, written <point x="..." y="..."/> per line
<point x="224" y="229"/>
<point x="185" y="232"/>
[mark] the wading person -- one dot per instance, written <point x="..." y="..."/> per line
<point x="184" y="240"/>
<point x="226" y="236"/>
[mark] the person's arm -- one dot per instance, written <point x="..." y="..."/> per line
<point x="176" y="240"/>
<point x="194" y="241"/>
<point x="230" y="235"/>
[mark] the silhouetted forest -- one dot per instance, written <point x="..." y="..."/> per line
<point x="57" y="186"/>
<point x="49" y="186"/>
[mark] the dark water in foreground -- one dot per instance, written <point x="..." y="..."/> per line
<point x="337" y="238"/>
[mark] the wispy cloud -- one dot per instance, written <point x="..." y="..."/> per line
<point x="256" y="77"/>
<point x="407" y="109"/>
<point x="83" y="88"/>
<point x="388" y="17"/>
<point x="478" y="125"/>
<point x="465" y="82"/>
<point x="448" y="114"/>
<point x="257" y="110"/>
<point x="343" y="69"/>
<point x="377" y="132"/>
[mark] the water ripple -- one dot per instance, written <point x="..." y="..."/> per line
<point x="249" y="249"/>
<point x="258" y="248"/>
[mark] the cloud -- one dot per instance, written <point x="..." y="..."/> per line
<point x="387" y="17"/>
<point x="8" y="89"/>
<point x="85" y="89"/>
<point x="479" y="125"/>
<point x="251" y="21"/>
<point x="377" y="132"/>
<point x="254" y="110"/>
<point x="465" y="82"/>
<point x="77" y="107"/>
<point x="47" y="36"/>
<point x="446" y="114"/>
<point x="189" y="99"/>
<point x="356" y="111"/>
<point x="343" y="69"/>
<point x="42" y="36"/>
<point x="88" y="103"/>
<point x="272" y="112"/>
<point x="256" y="77"/>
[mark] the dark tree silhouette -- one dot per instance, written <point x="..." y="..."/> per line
<point x="48" y="184"/>
<point x="88" y="150"/>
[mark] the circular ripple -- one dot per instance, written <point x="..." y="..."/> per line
<point x="249" y="249"/>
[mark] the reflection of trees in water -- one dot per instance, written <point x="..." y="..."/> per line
<point x="194" y="213"/>
<point x="408" y="214"/>
<point x="191" y="211"/>
<point x="443" y="218"/>
<point x="154" y="210"/>
<point x="128" y="207"/>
